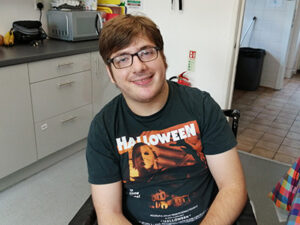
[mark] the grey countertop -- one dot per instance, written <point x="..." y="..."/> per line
<point x="48" y="49"/>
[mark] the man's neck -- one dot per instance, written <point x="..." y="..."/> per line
<point x="151" y="107"/>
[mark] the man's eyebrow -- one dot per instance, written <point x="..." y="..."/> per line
<point x="146" y="46"/>
<point x="123" y="53"/>
<point x="140" y="49"/>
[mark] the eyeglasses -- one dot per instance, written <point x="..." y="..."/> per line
<point x="126" y="60"/>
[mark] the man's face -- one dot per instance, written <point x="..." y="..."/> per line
<point x="142" y="82"/>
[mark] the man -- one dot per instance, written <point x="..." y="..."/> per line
<point x="192" y="173"/>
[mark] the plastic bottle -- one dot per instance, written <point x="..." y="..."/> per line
<point x="90" y="4"/>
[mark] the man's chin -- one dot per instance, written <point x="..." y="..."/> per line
<point x="145" y="100"/>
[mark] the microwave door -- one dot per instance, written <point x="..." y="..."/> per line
<point x="58" y="26"/>
<point x="98" y="23"/>
<point x="84" y="27"/>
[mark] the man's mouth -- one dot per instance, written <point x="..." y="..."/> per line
<point x="143" y="81"/>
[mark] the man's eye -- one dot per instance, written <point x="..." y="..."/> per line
<point x="147" y="52"/>
<point x="122" y="59"/>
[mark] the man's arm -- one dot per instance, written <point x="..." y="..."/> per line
<point x="107" y="199"/>
<point x="227" y="171"/>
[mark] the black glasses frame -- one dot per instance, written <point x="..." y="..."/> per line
<point x="111" y="60"/>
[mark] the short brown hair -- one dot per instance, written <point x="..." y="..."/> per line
<point x="119" y="32"/>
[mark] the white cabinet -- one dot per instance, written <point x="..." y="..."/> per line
<point x="62" y="94"/>
<point x="60" y="131"/>
<point x="17" y="142"/>
<point x="61" y="101"/>
<point x="103" y="89"/>
<point x="48" y="105"/>
<point x="46" y="69"/>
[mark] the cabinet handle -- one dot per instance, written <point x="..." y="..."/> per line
<point x="67" y="20"/>
<point x="65" y="84"/>
<point x="69" y="119"/>
<point x="65" y="64"/>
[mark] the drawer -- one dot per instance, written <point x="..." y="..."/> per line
<point x="63" y="130"/>
<point x="60" y="95"/>
<point x="47" y="69"/>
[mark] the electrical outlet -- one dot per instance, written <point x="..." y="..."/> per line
<point x="36" y="2"/>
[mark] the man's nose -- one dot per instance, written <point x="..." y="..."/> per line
<point x="138" y="64"/>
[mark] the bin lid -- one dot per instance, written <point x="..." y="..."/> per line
<point x="252" y="51"/>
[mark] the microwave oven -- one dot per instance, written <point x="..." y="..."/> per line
<point x="74" y="25"/>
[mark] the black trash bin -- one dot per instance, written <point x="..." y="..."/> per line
<point x="249" y="67"/>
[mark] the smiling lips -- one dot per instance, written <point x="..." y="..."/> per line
<point x="143" y="81"/>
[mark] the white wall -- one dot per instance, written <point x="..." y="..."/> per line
<point x="210" y="27"/>
<point x="13" y="10"/>
<point x="293" y="47"/>
<point x="272" y="33"/>
<point x="297" y="63"/>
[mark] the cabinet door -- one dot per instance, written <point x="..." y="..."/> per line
<point x="17" y="142"/>
<point x="103" y="89"/>
<point x="60" y="95"/>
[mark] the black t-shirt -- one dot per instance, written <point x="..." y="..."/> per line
<point x="160" y="158"/>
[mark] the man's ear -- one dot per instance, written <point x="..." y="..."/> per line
<point x="109" y="72"/>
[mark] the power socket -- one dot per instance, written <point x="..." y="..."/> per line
<point x="38" y="3"/>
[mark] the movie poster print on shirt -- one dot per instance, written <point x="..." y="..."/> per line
<point x="153" y="154"/>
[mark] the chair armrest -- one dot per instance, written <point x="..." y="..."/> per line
<point x="247" y="217"/>
<point x="235" y="115"/>
<point x="86" y="215"/>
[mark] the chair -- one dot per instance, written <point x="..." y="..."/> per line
<point x="87" y="214"/>
<point x="234" y="115"/>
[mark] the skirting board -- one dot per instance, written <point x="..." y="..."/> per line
<point x="41" y="164"/>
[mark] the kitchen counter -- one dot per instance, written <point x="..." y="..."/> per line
<point x="49" y="49"/>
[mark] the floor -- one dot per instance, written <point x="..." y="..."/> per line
<point x="270" y="121"/>
<point x="51" y="197"/>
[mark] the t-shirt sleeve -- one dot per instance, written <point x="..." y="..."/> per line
<point x="102" y="162"/>
<point x="216" y="134"/>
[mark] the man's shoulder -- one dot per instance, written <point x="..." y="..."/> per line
<point x="189" y="93"/>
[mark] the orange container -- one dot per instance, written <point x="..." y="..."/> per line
<point x="110" y="16"/>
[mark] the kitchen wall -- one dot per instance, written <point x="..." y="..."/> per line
<point x="12" y="10"/>
<point x="272" y="33"/>
<point x="209" y="27"/>
<point x="297" y="66"/>
<point x="291" y="67"/>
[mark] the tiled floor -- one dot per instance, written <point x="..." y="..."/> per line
<point x="270" y="121"/>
